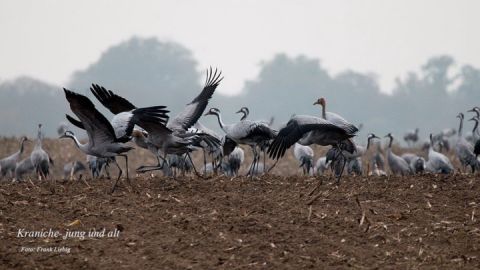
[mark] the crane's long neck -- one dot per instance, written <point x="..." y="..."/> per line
<point x="38" y="143"/>
<point x="81" y="146"/>
<point x="220" y="122"/>
<point x="460" y="127"/>
<point x="21" y="146"/>
<point x="368" y="142"/>
<point x="324" y="113"/>
<point x="475" y="129"/>
<point x="390" y="144"/>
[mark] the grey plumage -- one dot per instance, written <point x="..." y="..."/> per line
<point x="437" y="162"/>
<point x="464" y="150"/>
<point x="40" y="158"/>
<point x="304" y="155"/>
<point x="8" y="164"/>
<point x="23" y="167"/>
<point x="72" y="168"/>
<point x="398" y="166"/>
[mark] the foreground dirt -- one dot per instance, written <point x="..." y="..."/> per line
<point x="267" y="223"/>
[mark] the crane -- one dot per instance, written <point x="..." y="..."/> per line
<point x="437" y="162"/>
<point x="398" y="165"/>
<point x="40" y="158"/>
<point x="304" y="155"/>
<point x="245" y="132"/>
<point x="464" y="150"/>
<point x="8" y="164"/>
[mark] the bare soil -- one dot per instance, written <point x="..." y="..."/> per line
<point x="272" y="222"/>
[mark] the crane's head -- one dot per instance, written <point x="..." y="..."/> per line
<point x="245" y="112"/>
<point x="461" y="116"/>
<point x="389" y="135"/>
<point x="321" y="101"/>
<point x="213" y="111"/>
<point x="372" y="136"/>
<point x="67" y="134"/>
<point x="475" y="109"/>
<point x="24" y="138"/>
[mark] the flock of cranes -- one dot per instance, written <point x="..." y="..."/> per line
<point x="172" y="140"/>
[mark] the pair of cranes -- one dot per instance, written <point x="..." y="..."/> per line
<point x="38" y="161"/>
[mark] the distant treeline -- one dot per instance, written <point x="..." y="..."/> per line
<point x="150" y="72"/>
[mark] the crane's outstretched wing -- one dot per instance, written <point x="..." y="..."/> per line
<point x="74" y="122"/>
<point x="297" y="127"/>
<point x="194" y="110"/>
<point x="113" y="102"/>
<point x="98" y="128"/>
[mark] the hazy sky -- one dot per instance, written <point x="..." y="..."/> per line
<point x="51" y="39"/>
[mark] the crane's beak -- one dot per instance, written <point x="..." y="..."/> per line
<point x="472" y="119"/>
<point x="471" y="110"/>
<point x="375" y="136"/>
<point x="386" y="136"/>
<point x="239" y="111"/>
<point x="316" y="103"/>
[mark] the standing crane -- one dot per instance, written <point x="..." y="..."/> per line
<point x="476" y="148"/>
<point x="102" y="140"/>
<point x="8" y="164"/>
<point x="40" y="158"/>
<point x="464" y="150"/>
<point x="398" y="165"/>
<point x="411" y="137"/>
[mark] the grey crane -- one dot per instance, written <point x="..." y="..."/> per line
<point x="72" y="168"/>
<point x="99" y="165"/>
<point x="304" y="155"/>
<point x="8" y="164"/>
<point x="416" y="163"/>
<point x="321" y="166"/>
<point x="476" y="110"/>
<point x="231" y="165"/>
<point x="102" y="140"/>
<point x="353" y="161"/>
<point x="398" y="165"/>
<point x="464" y="150"/>
<point x="411" y="137"/>
<point x="246" y="132"/>
<point x="437" y="162"/>
<point x="265" y="144"/>
<point x="308" y="130"/>
<point x="23" y="167"/>
<point x="476" y="148"/>
<point x="174" y="138"/>
<point x="40" y="159"/>
<point x="378" y="158"/>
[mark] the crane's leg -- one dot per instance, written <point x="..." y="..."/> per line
<point x="193" y="166"/>
<point x="252" y="166"/>
<point x="126" y="165"/>
<point x="118" y="178"/>
<point x="146" y="168"/>
<point x="205" y="161"/>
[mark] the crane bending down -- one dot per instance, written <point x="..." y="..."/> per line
<point x="102" y="141"/>
<point x="8" y="164"/>
<point x="437" y="162"/>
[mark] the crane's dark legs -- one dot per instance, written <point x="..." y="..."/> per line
<point x="120" y="172"/>
<point x="193" y="166"/>
<point x="143" y="169"/>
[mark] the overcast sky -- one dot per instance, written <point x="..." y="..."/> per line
<point x="50" y="39"/>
